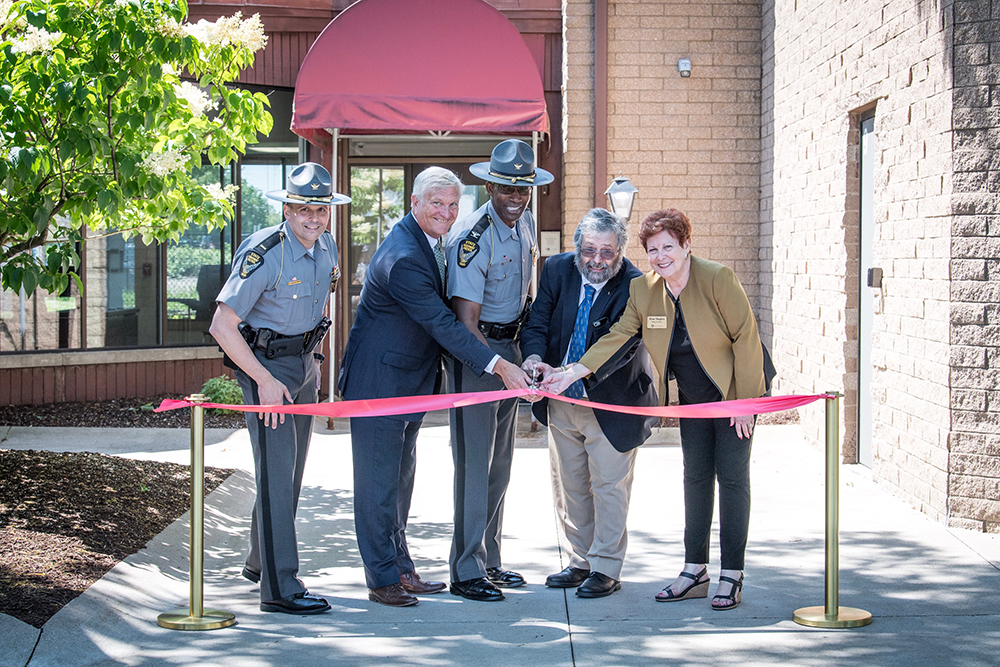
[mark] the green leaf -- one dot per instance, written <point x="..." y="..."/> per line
<point x="36" y="19"/>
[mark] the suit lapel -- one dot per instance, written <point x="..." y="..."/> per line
<point x="410" y="224"/>
<point x="568" y="302"/>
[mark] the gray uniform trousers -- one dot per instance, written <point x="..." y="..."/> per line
<point x="482" y="442"/>
<point x="279" y="457"/>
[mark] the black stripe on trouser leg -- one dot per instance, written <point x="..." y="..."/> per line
<point x="459" y="445"/>
<point x="263" y="497"/>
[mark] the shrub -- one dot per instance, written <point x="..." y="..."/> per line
<point x="222" y="389"/>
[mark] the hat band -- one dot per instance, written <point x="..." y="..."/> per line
<point x="318" y="200"/>
<point x="530" y="178"/>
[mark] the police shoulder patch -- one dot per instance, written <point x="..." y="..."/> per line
<point x="467" y="250"/>
<point x="251" y="263"/>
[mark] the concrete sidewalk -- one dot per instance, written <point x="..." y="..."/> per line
<point x="932" y="590"/>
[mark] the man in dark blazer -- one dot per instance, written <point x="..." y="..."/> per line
<point x="394" y="349"/>
<point x="592" y="452"/>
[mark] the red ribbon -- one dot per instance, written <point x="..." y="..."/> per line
<point x="399" y="405"/>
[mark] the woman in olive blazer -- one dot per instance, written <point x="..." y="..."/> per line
<point x="697" y="324"/>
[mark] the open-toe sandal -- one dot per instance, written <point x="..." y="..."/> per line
<point x="732" y="600"/>
<point x="697" y="589"/>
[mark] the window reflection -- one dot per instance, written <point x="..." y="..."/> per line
<point x="40" y="321"/>
<point x="376" y="205"/>
<point x="123" y="292"/>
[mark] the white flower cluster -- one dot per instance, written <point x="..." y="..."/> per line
<point x="231" y="31"/>
<point x="5" y="7"/>
<point x="219" y="193"/>
<point x="168" y="27"/>
<point x="196" y="98"/>
<point x="36" y="40"/>
<point x="161" y="164"/>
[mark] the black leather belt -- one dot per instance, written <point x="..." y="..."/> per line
<point x="500" y="331"/>
<point x="275" y="344"/>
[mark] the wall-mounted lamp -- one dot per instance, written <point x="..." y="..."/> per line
<point x="684" y="67"/>
<point x="621" y="195"/>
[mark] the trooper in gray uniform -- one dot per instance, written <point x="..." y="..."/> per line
<point x="269" y="321"/>
<point x="492" y="252"/>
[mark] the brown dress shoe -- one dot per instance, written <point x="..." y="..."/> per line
<point x="392" y="595"/>
<point x="412" y="583"/>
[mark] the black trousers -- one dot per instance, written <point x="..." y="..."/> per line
<point x="712" y="451"/>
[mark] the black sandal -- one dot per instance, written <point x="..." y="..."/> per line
<point x="735" y="594"/>
<point x="698" y="589"/>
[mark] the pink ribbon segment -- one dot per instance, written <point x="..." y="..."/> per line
<point x="400" y="405"/>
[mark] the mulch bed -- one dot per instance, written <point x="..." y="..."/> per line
<point x="68" y="518"/>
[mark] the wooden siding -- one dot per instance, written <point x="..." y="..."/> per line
<point x="58" y="384"/>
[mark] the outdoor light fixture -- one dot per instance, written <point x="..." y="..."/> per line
<point x="621" y="195"/>
<point x="684" y="67"/>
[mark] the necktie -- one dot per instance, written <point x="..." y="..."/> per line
<point x="439" y="256"/>
<point x="578" y="343"/>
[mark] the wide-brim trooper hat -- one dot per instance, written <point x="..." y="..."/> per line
<point x="512" y="163"/>
<point x="309" y="183"/>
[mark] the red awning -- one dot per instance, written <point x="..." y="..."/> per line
<point x="408" y="66"/>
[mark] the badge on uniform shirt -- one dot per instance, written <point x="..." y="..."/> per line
<point x="656" y="322"/>
<point x="467" y="250"/>
<point x="251" y="263"/>
<point x="334" y="278"/>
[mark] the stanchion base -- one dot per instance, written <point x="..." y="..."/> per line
<point x="210" y="619"/>
<point x="846" y="617"/>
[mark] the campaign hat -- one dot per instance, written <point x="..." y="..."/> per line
<point x="512" y="163"/>
<point x="309" y="183"/>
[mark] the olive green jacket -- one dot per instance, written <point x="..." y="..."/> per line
<point x="719" y="321"/>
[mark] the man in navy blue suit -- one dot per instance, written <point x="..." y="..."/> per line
<point x="592" y="452"/>
<point x="394" y="349"/>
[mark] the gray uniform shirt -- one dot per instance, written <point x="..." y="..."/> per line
<point x="497" y="273"/>
<point x="284" y="289"/>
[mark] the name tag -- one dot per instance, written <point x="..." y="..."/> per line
<point x="656" y="322"/>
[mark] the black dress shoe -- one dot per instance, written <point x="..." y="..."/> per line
<point x="504" y="578"/>
<point x="250" y="574"/>
<point x="598" y="585"/>
<point x="571" y="577"/>
<point x="477" y="589"/>
<point x="301" y="604"/>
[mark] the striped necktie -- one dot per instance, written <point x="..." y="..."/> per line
<point x="439" y="257"/>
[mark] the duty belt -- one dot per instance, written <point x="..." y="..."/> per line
<point x="274" y="344"/>
<point x="510" y="330"/>
<point x="500" y="331"/>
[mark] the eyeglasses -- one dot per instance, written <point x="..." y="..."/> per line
<point x="511" y="189"/>
<point x="607" y="254"/>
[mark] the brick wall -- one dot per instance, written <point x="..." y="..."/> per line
<point x="974" y="484"/>
<point x="577" y="114"/>
<point x="688" y="143"/>
<point x="823" y="63"/>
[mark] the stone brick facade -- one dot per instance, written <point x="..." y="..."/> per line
<point x="974" y="442"/>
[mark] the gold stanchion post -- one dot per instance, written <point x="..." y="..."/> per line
<point x="831" y="614"/>
<point x="196" y="617"/>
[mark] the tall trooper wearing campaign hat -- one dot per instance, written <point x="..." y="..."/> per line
<point x="492" y="252"/>
<point x="268" y="322"/>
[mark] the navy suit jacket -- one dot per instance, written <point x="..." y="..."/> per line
<point x="550" y="327"/>
<point x="403" y="321"/>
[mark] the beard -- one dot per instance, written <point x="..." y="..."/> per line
<point x="598" y="272"/>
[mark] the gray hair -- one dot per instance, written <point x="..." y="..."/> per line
<point x="601" y="221"/>
<point x="435" y="178"/>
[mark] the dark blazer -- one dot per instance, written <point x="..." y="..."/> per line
<point x="550" y="327"/>
<point x="402" y="323"/>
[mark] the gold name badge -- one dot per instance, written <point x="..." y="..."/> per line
<point x="656" y="322"/>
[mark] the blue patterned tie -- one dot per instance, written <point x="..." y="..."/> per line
<point x="578" y="343"/>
